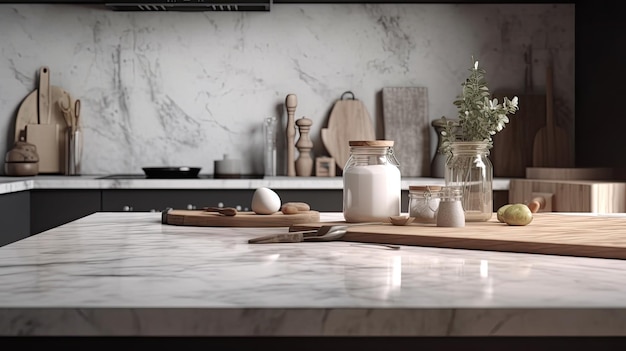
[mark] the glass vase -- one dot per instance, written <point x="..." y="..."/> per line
<point x="469" y="169"/>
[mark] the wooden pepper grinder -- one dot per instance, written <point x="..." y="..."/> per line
<point x="304" y="163"/>
<point x="290" y="103"/>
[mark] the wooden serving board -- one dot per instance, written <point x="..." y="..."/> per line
<point x="512" y="150"/>
<point x="349" y="120"/>
<point x="200" y="218"/>
<point x="548" y="233"/>
<point x="48" y="135"/>
<point x="406" y="122"/>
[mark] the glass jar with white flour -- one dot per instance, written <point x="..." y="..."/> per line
<point x="371" y="182"/>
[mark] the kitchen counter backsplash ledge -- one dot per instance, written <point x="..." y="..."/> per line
<point x="15" y="184"/>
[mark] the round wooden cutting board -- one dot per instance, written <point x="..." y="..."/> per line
<point x="349" y="120"/>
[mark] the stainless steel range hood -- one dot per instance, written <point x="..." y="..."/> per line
<point x="189" y="5"/>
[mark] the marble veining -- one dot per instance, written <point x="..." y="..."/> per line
<point x="183" y="89"/>
<point x="128" y="274"/>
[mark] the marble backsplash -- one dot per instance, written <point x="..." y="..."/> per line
<point x="176" y="88"/>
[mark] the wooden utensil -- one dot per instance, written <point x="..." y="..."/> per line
<point x="291" y="102"/>
<point x="349" y="120"/>
<point x="202" y="218"/>
<point x="551" y="147"/>
<point x="406" y="122"/>
<point x="226" y="211"/>
<point x="548" y="233"/>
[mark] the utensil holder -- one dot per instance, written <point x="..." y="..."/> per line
<point x="73" y="151"/>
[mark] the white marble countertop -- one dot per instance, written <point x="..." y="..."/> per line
<point x="128" y="274"/>
<point x="14" y="184"/>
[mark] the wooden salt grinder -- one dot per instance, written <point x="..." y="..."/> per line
<point x="291" y="101"/>
<point x="304" y="163"/>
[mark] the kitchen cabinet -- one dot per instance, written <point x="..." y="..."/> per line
<point x="156" y="200"/>
<point x="146" y="200"/>
<point x="14" y="217"/>
<point x="52" y="208"/>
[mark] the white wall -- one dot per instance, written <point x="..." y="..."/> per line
<point x="176" y="88"/>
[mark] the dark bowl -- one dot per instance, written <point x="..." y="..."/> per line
<point x="171" y="172"/>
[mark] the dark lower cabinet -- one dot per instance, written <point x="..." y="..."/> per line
<point x="157" y="200"/>
<point x="14" y="217"/>
<point x="52" y="208"/>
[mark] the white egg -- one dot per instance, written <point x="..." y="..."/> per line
<point x="265" y="201"/>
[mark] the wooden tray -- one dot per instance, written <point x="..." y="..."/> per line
<point x="202" y="218"/>
<point x="548" y="233"/>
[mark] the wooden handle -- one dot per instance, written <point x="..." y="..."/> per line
<point x="291" y="102"/>
<point x="536" y="204"/>
<point x="226" y="211"/>
<point x="44" y="95"/>
<point x="278" y="238"/>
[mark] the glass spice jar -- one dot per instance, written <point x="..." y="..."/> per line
<point x="451" y="213"/>
<point x="424" y="203"/>
<point x="371" y="182"/>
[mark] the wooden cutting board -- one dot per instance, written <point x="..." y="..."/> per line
<point x="49" y="136"/>
<point x="348" y="120"/>
<point x="202" y="218"/>
<point x="548" y="233"/>
<point x="552" y="146"/>
<point x="406" y="122"/>
<point x="512" y="148"/>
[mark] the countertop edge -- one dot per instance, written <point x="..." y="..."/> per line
<point x="331" y="322"/>
<point x="96" y="182"/>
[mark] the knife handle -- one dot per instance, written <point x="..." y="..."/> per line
<point x="278" y="238"/>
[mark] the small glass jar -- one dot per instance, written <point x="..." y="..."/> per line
<point x="371" y="182"/>
<point x="424" y="203"/>
<point x="450" y="213"/>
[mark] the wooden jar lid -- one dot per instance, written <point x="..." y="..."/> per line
<point x="374" y="143"/>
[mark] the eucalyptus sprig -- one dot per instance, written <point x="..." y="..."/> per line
<point x="479" y="116"/>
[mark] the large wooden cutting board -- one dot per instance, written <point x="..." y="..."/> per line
<point x="406" y="122"/>
<point x="552" y="146"/>
<point x="202" y="218"/>
<point x="512" y="150"/>
<point x="49" y="135"/>
<point x="348" y="120"/>
<point x="548" y="233"/>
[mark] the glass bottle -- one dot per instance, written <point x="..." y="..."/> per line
<point x="371" y="182"/>
<point x="469" y="169"/>
<point x="269" y="161"/>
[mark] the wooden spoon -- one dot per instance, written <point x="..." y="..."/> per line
<point x="226" y="211"/>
